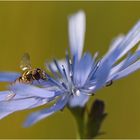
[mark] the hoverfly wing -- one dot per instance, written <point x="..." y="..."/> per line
<point x="25" y="62"/>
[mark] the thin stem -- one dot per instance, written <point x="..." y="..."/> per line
<point x="79" y="115"/>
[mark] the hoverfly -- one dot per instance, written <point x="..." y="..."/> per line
<point x="29" y="74"/>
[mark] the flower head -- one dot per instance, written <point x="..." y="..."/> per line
<point x="82" y="75"/>
<point x="78" y="75"/>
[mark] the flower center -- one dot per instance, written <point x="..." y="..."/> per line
<point x="75" y="92"/>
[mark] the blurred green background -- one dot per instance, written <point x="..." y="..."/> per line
<point x="40" y="28"/>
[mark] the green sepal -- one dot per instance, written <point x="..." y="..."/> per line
<point x="95" y="119"/>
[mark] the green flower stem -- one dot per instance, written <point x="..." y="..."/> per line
<point x="80" y="127"/>
<point x="89" y="122"/>
<point x="79" y="115"/>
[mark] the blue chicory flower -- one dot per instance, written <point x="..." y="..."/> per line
<point x="77" y="76"/>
